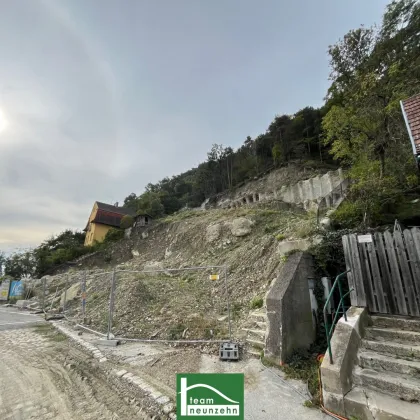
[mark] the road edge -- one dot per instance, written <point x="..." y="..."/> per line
<point x="152" y="402"/>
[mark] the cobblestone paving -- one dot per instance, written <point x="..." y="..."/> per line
<point x="42" y="377"/>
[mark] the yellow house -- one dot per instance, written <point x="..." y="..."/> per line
<point x="102" y="218"/>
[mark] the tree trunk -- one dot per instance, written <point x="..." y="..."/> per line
<point x="382" y="159"/>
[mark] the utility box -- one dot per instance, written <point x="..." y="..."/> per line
<point x="229" y="351"/>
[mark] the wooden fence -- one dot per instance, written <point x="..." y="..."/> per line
<point x="385" y="271"/>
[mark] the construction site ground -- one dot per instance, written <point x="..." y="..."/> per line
<point x="46" y="375"/>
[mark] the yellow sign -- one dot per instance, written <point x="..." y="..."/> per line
<point x="214" y="277"/>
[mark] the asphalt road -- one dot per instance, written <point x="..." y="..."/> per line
<point x="13" y="318"/>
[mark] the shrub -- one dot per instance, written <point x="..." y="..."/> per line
<point x="113" y="235"/>
<point x="175" y="332"/>
<point x="127" y="221"/>
<point x="348" y="215"/>
<point x="257" y="302"/>
<point x="280" y="237"/>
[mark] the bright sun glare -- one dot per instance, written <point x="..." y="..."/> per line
<point x="3" y="121"/>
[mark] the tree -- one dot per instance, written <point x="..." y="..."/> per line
<point x="2" y="261"/>
<point x="131" y="202"/>
<point x="126" y="221"/>
<point x="20" y="264"/>
<point x="150" y="203"/>
<point x="372" y="70"/>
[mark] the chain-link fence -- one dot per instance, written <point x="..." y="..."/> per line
<point x="190" y="304"/>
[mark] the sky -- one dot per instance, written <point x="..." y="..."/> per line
<point x="100" y="97"/>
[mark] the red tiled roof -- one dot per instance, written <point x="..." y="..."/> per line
<point x="411" y="108"/>
<point x="115" y="209"/>
<point x="108" y="218"/>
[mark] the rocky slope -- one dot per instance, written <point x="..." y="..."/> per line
<point x="250" y="242"/>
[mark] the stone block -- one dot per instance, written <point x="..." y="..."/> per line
<point x="289" y="314"/>
<point x="105" y="342"/>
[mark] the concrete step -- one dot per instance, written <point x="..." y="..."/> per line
<point x="384" y="363"/>
<point x="394" y="335"/>
<point x="366" y="404"/>
<point x="259" y="315"/>
<point x="261" y="325"/>
<point x="398" y="323"/>
<point x="256" y="343"/>
<point x="255" y="353"/>
<point x="255" y="334"/>
<point x="391" y="348"/>
<point x="400" y="386"/>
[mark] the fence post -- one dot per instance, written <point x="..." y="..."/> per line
<point x="65" y="293"/>
<point x="111" y="304"/>
<point x="84" y="297"/>
<point x="44" y="286"/>
<point x="228" y="303"/>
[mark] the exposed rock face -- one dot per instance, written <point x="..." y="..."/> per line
<point x="289" y="186"/>
<point x="71" y="293"/>
<point x="153" y="265"/>
<point x="168" y="252"/>
<point x="213" y="232"/>
<point x="241" y="226"/>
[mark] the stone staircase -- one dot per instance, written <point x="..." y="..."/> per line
<point x="255" y="332"/>
<point x="386" y="380"/>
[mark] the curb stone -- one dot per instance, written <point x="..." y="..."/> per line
<point x="162" y="401"/>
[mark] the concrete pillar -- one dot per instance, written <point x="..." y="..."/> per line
<point x="316" y="187"/>
<point x="328" y="201"/>
<point x="308" y="189"/>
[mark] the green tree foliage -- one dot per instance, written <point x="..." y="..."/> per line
<point x="372" y="70"/>
<point x="288" y="137"/>
<point x="53" y="252"/>
<point x="113" y="235"/>
<point x="20" y="264"/>
<point x="126" y="222"/>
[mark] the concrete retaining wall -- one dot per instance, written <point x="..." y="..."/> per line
<point x="324" y="191"/>
<point x="289" y="314"/>
<point x="337" y="377"/>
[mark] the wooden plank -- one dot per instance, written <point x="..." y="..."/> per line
<point x="396" y="282"/>
<point x="376" y="276"/>
<point x="357" y="271"/>
<point x="414" y="262"/>
<point x="386" y="278"/>
<point x="407" y="277"/>
<point x="415" y="233"/>
<point x="349" y="266"/>
<point x="367" y="278"/>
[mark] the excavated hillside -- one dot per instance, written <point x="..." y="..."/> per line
<point x="249" y="241"/>
<point x="157" y="296"/>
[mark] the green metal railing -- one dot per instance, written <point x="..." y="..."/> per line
<point x="329" y="330"/>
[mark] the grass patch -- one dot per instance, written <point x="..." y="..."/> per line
<point x="257" y="302"/>
<point x="304" y="366"/>
<point x="182" y="215"/>
<point x="175" y="332"/>
<point x="236" y="310"/>
<point x="49" y="332"/>
<point x="280" y="237"/>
